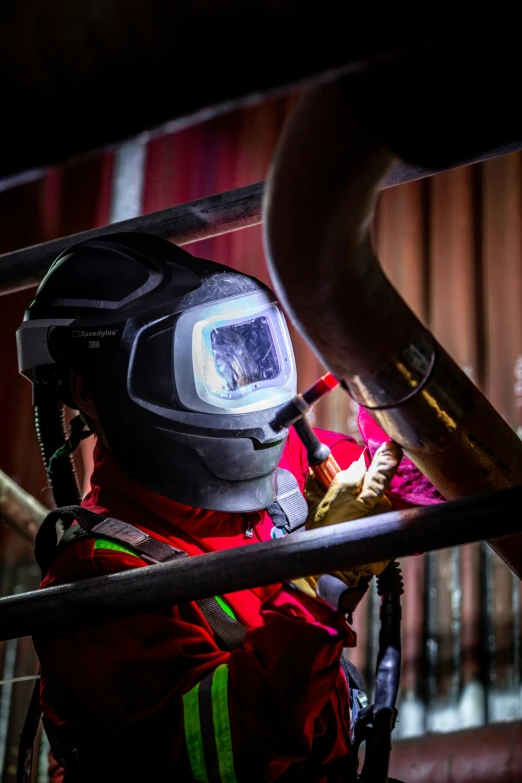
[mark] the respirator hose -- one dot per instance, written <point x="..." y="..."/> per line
<point x="390" y="587"/>
<point x="52" y="436"/>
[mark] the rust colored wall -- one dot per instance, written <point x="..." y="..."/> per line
<point x="492" y="754"/>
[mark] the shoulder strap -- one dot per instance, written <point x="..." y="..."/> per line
<point x="152" y="550"/>
<point x="228" y="630"/>
<point x="149" y="548"/>
<point x="289" y="511"/>
<point x="47" y="537"/>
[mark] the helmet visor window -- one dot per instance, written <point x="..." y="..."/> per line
<point x="231" y="356"/>
<point x="241" y="355"/>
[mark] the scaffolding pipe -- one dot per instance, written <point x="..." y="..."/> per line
<point x="381" y="537"/>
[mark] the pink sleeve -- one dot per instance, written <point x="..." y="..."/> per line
<point x="409" y="487"/>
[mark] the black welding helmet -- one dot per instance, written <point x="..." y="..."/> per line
<point x="187" y="361"/>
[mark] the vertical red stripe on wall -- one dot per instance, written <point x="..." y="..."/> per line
<point x="502" y="235"/>
<point x="502" y="247"/>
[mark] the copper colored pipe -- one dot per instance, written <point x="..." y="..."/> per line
<point x="490" y="754"/>
<point x="318" y="212"/>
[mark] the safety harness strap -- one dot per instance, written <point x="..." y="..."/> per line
<point x="152" y="550"/>
<point x="289" y="510"/>
<point x="217" y="613"/>
<point x="229" y="630"/>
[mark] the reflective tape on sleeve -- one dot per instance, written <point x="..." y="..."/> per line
<point x="222" y="724"/>
<point x="193" y="736"/>
<point x="207" y="729"/>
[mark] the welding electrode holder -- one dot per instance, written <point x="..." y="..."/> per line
<point x="321" y="460"/>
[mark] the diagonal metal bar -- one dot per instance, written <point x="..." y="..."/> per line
<point x="382" y="537"/>
<point x="19" y="509"/>
<point x="201" y="219"/>
<point x="183" y="224"/>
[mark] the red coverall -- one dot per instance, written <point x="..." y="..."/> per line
<point x="121" y="683"/>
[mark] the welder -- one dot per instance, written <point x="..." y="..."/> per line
<point x="177" y="365"/>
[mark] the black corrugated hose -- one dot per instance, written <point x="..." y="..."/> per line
<point x="377" y="754"/>
<point x="52" y="436"/>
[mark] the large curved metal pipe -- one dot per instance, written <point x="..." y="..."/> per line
<point x="318" y="211"/>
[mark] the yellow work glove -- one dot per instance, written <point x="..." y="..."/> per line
<point x="354" y="493"/>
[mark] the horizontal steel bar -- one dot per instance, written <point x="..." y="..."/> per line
<point x="202" y="219"/>
<point x="382" y="537"/>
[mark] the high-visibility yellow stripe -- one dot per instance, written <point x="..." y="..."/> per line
<point x="222" y="724"/>
<point x="226" y="608"/>
<point x="193" y="735"/>
<point x="104" y="543"/>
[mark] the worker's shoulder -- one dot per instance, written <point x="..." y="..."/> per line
<point x="90" y="556"/>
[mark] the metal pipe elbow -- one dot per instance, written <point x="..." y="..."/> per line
<point x="318" y="211"/>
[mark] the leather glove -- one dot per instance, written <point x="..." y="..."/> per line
<point x="354" y="493"/>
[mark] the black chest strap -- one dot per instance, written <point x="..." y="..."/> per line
<point x="152" y="550"/>
<point x="230" y="632"/>
<point x="288" y="512"/>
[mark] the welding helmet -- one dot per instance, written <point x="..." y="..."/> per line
<point x="186" y="360"/>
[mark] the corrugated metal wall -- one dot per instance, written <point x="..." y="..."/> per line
<point x="452" y="246"/>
